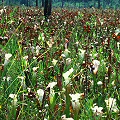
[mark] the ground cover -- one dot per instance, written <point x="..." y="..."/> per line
<point x="67" y="66"/>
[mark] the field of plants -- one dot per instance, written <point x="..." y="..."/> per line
<point x="65" y="67"/>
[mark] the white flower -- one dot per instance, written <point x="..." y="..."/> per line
<point x="76" y="105"/>
<point x="97" y="110"/>
<point x="34" y="57"/>
<point x="48" y="20"/>
<point x="51" y="85"/>
<point x="63" y="117"/>
<point x="96" y="64"/>
<point x="4" y="78"/>
<point x="22" y="81"/>
<point x="50" y="42"/>
<point x="7" y="78"/>
<point x="63" y="55"/>
<point x="7" y="57"/>
<point x="52" y="93"/>
<point x="111" y="104"/>
<point x="35" y="69"/>
<point x="37" y="49"/>
<point x="81" y="53"/>
<point x="21" y="77"/>
<point x="54" y="62"/>
<point x="2" y="11"/>
<point x="42" y="22"/>
<point x="51" y="96"/>
<point x="75" y="100"/>
<point x="25" y="57"/>
<point x="32" y="49"/>
<point x="65" y="22"/>
<point x="66" y="52"/>
<point x="77" y="43"/>
<point x="99" y="83"/>
<point x="46" y="105"/>
<point x="118" y="45"/>
<point x="14" y="97"/>
<point x="113" y="83"/>
<point x="101" y="21"/>
<point x="45" y="119"/>
<point x="68" y="61"/>
<point x="29" y="89"/>
<point x="66" y="76"/>
<point x="40" y="93"/>
<point x="75" y="97"/>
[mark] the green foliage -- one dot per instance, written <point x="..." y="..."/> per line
<point x="58" y="56"/>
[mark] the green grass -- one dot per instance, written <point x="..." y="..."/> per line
<point x="33" y="42"/>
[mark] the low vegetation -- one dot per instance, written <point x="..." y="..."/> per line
<point x="65" y="67"/>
